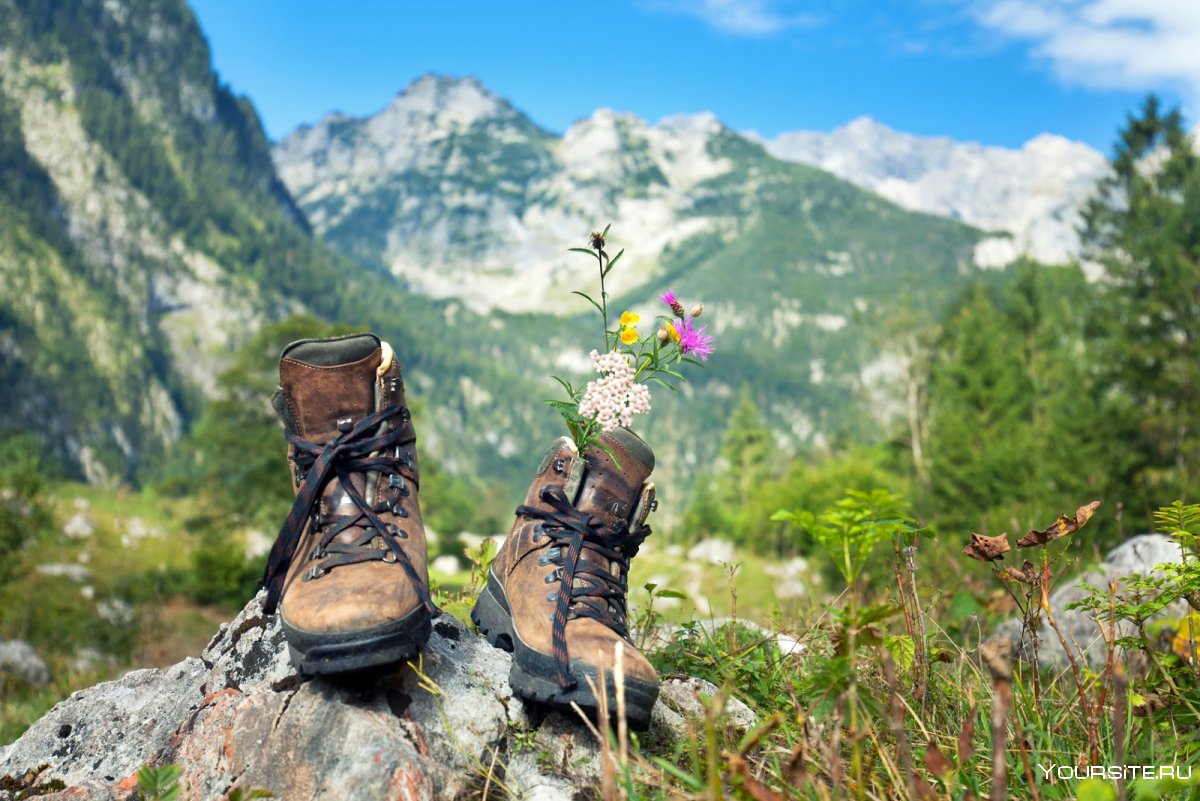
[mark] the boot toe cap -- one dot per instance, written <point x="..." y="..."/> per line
<point x="339" y="602"/>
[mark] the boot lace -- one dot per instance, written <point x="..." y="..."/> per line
<point x="355" y="449"/>
<point x="586" y="588"/>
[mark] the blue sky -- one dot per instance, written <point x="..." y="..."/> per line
<point x="992" y="71"/>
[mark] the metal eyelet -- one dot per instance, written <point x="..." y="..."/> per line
<point x="552" y="597"/>
<point x="398" y="510"/>
<point x="539" y="531"/>
<point x="390" y="557"/>
<point x="399" y="532"/>
<point x="543" y="560"/>
<point x="560" y="466"/>
<point x="654" y="505"/>
<point x="553" y="576"/>
<point x="317" y="553"/>
<point x="314" y="573"/>
<point x="395" y="480"/>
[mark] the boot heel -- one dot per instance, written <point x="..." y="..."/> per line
<point x="493" y="617"/>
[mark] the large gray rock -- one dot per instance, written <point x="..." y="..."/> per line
<point x="19" y="660"/>
<point x="1137" y="555"/>
<point x="241" y="717"/>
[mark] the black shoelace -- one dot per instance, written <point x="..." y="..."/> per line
<point x="599" y="595"/>
<point x="348" y="452"/>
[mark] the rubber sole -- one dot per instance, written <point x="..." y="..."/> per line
<point x="391" y="643"/>
<point x="534" y="675"/>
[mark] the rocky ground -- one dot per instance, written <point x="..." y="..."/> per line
<point x="240" y="717"/>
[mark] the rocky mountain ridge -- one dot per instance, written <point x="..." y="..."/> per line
<point x="453" y="189"/>
<point x="363" y="182"/>
<point x="1033" y="194"/>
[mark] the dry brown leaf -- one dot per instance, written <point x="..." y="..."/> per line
<point x="1062" y="527"/>
<point x="996" y="654"/>
<point x="987" y="549"/>
<point x="795" y="769"/>
<point x="966" y="738"/>
<point x="924" y="791"/>
<point x="1027" y="573"/>
<point x="740" y="770"/>
<point x="936" y="761"/>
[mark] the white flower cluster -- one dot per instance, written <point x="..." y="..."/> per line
<point x="614" y="399"/>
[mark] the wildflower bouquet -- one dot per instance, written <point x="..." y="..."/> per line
<point x="630" y="361"/>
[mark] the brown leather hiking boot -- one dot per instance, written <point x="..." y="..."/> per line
<point x="347" y="570"/>
<point x="556" y="593"/>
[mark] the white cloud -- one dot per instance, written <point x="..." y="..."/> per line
<point x="740" y="17"/>
<point x="1108" y="44"/>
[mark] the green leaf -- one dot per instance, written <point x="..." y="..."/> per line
<point x="588" y="251"/>
<point x="783" y="516"/>
<point x="251" y="795"/>
<point x="588" y="298"/>
<point x="565" y="385"/>
<point x="612" y="262"/>
<point x="671" y="594"/>
<point x="902" y="648"/>
<point x="1095" y="790"/>
<point x="693" y="783"/>
<point x="877" y="613"/>
<point x="159" y="783"/>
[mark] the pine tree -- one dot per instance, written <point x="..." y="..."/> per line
<point x="980" y="402"/>
<point x="1143" y="229"/>
<point x="725" y="505"/>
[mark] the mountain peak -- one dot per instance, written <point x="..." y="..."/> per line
<point x="457" y="101"/>
<point x="1033" y="193"/>
<point x="866" y="124"/>
<point x="702" y="122"/>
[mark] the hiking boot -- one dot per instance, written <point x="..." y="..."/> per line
<point x="556" y="592"/>
<point x="347" y="571"/>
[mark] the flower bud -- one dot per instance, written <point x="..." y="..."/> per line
<point x="698" y="310"/>
<point x="677" y="308"/>
<point x="663" y="334"/>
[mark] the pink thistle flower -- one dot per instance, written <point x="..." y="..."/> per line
<point x="669" y="298"/>
<point x="694" y="341"/>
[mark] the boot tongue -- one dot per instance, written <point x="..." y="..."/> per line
<point x="608" y="491"/>
<point x="327" y="382"/>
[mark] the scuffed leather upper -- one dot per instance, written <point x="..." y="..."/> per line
<point x="604" y="490"/>
<point x="365" y="595"/>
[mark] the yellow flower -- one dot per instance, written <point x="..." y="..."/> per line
<point x="628" y="318"/>
<point x="1187" y="638"/>
<point x="629" y="335"/>
<point x="673" y="332"/>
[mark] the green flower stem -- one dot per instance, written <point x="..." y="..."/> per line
<point x="603" y="296"/>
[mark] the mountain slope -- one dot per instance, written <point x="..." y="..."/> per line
<point x="145" y="234"/>
<point x="1034" y="194"/>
